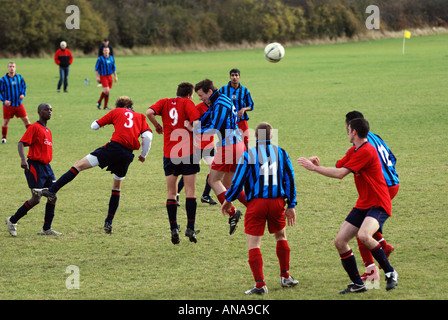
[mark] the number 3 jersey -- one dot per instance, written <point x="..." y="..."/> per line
<point x="128" y="125"/>
<point x="177" y="140"/>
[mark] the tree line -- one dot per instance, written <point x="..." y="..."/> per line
<point x="30" y="27"/>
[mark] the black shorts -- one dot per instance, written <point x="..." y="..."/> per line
<point x="181" y="166"/>
<point x="115" y="157"/>
<point x="39" y="175"/>
<point x="356" y="216"/>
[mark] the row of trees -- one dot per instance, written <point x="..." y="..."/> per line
<point x="30" y="27"/>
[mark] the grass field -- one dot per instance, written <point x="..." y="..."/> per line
<point x="305" y="97"/>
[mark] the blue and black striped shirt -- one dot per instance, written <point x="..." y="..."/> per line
<point x="265" y="171"/>
<point x="387" y="159"/>
<point x="11" y="88"/>
<point x="240" y="96"/>
<point x="105" y="66"/>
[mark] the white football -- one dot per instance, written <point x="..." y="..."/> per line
<point x="274" y="52"/>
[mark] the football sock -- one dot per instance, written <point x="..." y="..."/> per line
<point x="380" y="256"/>
<point x="49" y="215"/>
<point x="64" y="179"/>
<point x="379" y="237"/>
<point x="4" y="132"/>
<point x="222" y="198"/>
<point x="242" y="198"/>
<point x="106" y="100"/>
<point x="190" y="206"/>
<point x="171" y="208"/>
<point x="256" y="265"/>
<point x="366" y="255"/>
<point x="101" y="97"/>
<point x="349" y="263"/>
<point x="22" y="211"/>
<point x="113" y="205"/>
<point x="207" y="188"/>
<point x="180" y="185"/>
<point x="283" y="253"/>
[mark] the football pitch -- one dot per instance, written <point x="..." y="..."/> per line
<point x="305" y="97"/>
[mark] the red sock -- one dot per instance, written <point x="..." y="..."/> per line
<point x="283" y="253"/>
<point x="379" y="237"/>
<point x="366" y="255"/>
<point x="256" y="265"/>
<point x="222" y="198"/>
<point x="106" y="100"/>
<point x="101" y="97"/>
<point x="242" y="198"/>
<point x="4" y="132"/>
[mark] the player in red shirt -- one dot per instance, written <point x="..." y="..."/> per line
<point x="37" y="167"/>
<point x="116" y="155"/>
<point x="372" y="208"/>
<point x="178" y="154"/>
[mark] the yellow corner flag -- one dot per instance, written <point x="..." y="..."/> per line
<point x="407" y="34"/>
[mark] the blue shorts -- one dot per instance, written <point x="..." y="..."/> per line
<point x="181" y="166"/>
<point x="40" y="175"/>
<point x="356" y="216"/>
<point x="115" y="157"/>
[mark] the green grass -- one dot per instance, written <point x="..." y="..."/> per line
<point x="305" y="97"/>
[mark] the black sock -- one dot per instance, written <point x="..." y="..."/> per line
<point x="64" y="179"/>
<point x="207" y="188"/>
<point x="113" y="205"/>
<point x="22" y="211"/>
<point x="171" y="208"/>
<point x="190" y="206"/>
<point x="380" y="257"/>
<point x="49" y="215"/>
<point x="349" y="263"/>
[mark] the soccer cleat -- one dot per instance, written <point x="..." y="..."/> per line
<point x="354" y="288"/>
<point x="192" y="235"/>
<point x="44" y="192"/>
<point x="256" y="290"/>
<point x="106" y="108"/>
<point x="12" y="227"/>
<point x="108" y="227"/>
<point x="3" y="140"/>
<point x="175" y="236"/>
<point x="391" y="279"/>
<point x="288" y="282"/>
<point x="49" y="232"/>
<point x="98" y="105"/>
<point x="209" y="200"/>
<point x="233" y="221"/>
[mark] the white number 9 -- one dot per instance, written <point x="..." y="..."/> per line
<point x="174" y="115"/>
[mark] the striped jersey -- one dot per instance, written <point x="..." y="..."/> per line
<point x="11" y="88"/>
<point x="240" y="96"/>
<point x="105" y="66"/>
<point x="387" y="159"/>
<point x="265" y="171"/>
<point x="220" y="119"/>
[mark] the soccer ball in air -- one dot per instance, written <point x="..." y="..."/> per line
<point x="274" y="52"/>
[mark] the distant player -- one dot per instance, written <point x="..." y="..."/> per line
<point x="63" y="58"/>
<point x="37" y="168"/>
<point x="12" y="93"/>
<point x="388" y="162"/>
<point x="242" y="100"/>
<point x="267" y="175"/>
<point x="105" y="67"/>
<point x="178" y="154"/>
<point x="116" y="155"/>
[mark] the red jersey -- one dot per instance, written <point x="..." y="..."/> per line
<point x="177" y="140"/>
<point x="40" y="142"/>
<point x="128" y="125"/>
<point x="206" y="140"/>
<point x="369" y="179"/>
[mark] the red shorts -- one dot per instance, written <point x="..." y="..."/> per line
<point x="259" y="211"/>
<point x="9" y="112"/>
<point x="226" y="158"/>
<point x="244" y="127"/>
<point x="393" y="190"/>
<point x="106" y="81"/>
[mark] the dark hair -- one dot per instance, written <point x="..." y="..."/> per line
<point x="124" y="102"/>
<point x="263" y="131"/>
<point x="234" y="71"/>
<point x="361" y="126"/>
<point x="184" y="89"/>
<point x="205" y="85"/>
<point x="353" y="115"/>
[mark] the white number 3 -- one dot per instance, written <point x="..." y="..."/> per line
<point x="130" y="122"/>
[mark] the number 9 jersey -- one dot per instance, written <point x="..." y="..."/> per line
<point x="128" y="125"/>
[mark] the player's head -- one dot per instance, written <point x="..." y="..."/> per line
<point x="185" y="90"/>
<point x="234" y="70"/>
<point x="11" y="67"/>
<point x="44" y="110"/>
<point x="235" y="76"/>
<point x="205" y="89"/>
<point x="124" y="102"/>
<point x="63" y="45"/>
<point x="353" y="115"/>
<point x="106" y="51"/>
<point x="263" y="131"/>
<point x="361" y="126"/>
